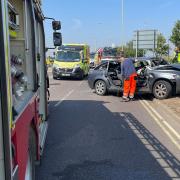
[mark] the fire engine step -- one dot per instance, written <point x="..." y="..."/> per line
<point x="43" y="132"/>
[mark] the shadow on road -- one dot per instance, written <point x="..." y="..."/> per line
<point x="70" y="79"/>
<point x="86" y="141"/>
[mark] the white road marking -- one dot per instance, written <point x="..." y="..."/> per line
<point x="153" y="110"/>
<point x="67" y="95"/>
<point x="161" y="125"/>
<point x="167" y="109"/>
<point x="160" y="157"/>
<point x="161" y="118"/>
<point x="64" y="98"/>
<point x="172" y="129"/>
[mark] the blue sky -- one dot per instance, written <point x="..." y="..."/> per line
<point x="98" y="23"/>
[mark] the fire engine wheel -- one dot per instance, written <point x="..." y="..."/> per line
<point x="30" y="165"/>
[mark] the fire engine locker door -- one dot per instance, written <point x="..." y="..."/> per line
<point x="43" y="87"/>
<point x="5" y="150"/>
<point x="41" y="68"/>
<point x="2" y="169"/>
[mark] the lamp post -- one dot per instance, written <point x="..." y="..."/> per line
<point x="122" y="21"/>
<point x="96" y="42"/>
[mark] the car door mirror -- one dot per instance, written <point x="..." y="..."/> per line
<point x="57" y="38"/>
<point x="56" y="25"/>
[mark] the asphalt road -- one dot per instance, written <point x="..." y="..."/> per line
<point x="100" y="138"/>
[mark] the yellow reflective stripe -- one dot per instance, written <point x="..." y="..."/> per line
<point x="8" y="72"/>
<point x="179" y="57"/>
<point x="12" y="33"/>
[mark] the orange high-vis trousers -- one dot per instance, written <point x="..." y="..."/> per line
<point x="130" y="86"/>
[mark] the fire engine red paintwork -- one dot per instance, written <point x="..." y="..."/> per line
<point x="20" y="137"/>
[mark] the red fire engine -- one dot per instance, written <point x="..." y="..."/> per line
<point x="23" y="87"/>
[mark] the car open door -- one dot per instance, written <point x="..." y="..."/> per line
<point x="114" y="74"/>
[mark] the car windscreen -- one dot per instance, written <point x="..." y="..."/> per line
<point x="159" y="61"/>
<point x="68" y="56"/>
<point x="140" y="64"/>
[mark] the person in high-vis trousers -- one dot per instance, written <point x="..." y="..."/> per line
<point x="178" y="55"/>
<point x="176" y="58"/>
<point x="129" y="75"/>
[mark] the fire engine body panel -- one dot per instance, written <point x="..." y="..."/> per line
<point x="106" y="54"/>
<point x="2" y="169"/>
<point x="24" y="91"/>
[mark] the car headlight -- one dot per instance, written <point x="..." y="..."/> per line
<point x="56" y="67"/>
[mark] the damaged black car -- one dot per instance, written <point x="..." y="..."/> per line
<point x="161" y="81"/>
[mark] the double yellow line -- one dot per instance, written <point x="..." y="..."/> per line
<point x="164" y="125"/>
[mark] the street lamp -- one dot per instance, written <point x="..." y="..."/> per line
<point x="96" y="43"/>
<point x="122" y="21"/>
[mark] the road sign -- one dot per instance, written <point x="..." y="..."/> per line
<point x="145" y="39"/>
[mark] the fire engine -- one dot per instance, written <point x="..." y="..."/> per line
<point x="23" y="87"/>
<point x="106" y="54"/>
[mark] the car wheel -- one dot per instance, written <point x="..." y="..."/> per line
<point x="162" y="89"/>
<point x="100" y="87"/>
<point x="81" y="77"/>
<point x="55" y="78"/>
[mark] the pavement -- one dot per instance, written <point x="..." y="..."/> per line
<point x="94" y="137"/>
<point x="173" y="104"/>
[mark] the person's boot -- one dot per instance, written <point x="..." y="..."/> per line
<point x="125" y="99"/>
<point x="131" y="98"/>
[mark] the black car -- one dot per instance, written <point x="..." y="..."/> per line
<point x="152" y="61"/>
<point x="162" y="81"/>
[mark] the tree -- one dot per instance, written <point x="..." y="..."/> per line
<point x="129" y="51"/>
<point x="162" y="47"/>
<point x="175" y="37"/>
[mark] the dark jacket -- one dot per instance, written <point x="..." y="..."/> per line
<point x="127" y="68"/>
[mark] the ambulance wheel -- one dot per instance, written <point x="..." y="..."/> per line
<point x="81" y="77"/>
<point x="30" y="165"/>
<point x="100" y="87"/>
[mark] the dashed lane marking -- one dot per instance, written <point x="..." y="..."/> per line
<point x="67" y="95"/>
<point x="64" y="98"/>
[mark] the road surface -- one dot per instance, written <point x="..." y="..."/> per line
<point x="92" y="137"/>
